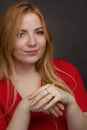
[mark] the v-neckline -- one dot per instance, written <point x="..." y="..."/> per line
<point x="19" y="95"/>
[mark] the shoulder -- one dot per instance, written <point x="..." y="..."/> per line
<point x="3" y="86"/>
<point x="3" y="92"/>
<point x="6" y="92"/>
<point x="67" y="71"/>
<point x="70" y="74"/>
<point x="65" y="66"/>
<point x="3" y="89"/>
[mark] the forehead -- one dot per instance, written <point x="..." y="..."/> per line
<point x="30" y="20"/>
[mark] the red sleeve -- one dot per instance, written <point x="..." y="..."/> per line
<point x="4" y="105"/>
<point x="3" y="123"/>
<point x="79" y="91"/>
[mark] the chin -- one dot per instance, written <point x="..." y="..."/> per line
<point x="33" y="61"/>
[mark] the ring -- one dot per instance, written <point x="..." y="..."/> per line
<point x="47" y="90"/>
<point x="49" y="94"/>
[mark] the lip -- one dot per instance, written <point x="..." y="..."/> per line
<point x="31" y="52"/>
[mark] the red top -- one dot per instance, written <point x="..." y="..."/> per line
<point x="39" y="120"/>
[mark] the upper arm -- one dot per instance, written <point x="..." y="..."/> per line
<point x="3" y="123"/>
<point x="72" y="77"/>
<point x="3" y="102"/>
<point x="80" y="91"/>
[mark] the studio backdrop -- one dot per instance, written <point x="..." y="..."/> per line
<point x="68" y="23"/>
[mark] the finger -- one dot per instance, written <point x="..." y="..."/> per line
<point x="57" y="109"/>
<point x="39" y="103"/>
<point x="51" y="103"/>
<point x="39" y="97"/>
<point x="35" y="93"/>
<point x="53" y="112"/>
<point x="60" y="105"/>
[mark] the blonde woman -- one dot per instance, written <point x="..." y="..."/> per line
<point x="36" y="92"/>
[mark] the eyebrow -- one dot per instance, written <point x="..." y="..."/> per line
<point x="23" y="30"/>
<point x="38" y="28"/>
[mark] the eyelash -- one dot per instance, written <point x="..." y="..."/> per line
<point x="20" y="34"/>
<point x="40" y="33"/>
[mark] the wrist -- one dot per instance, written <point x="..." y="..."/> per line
<point x="24" y="106"/>
<point x="72" y="107"/>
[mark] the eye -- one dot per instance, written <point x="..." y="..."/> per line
<point x="20" y="34"/>
<point x="39" y="33"/>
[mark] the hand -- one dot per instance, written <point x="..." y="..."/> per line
<point x="49" y="96"/>
<point x="56" y="110"/>
<point x="59" y="96"/>
<point x="25" y="105"/>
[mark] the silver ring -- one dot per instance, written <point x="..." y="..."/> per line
<point x="47" y="90"/>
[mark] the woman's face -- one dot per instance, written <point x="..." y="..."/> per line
<point x="31" y="42"/>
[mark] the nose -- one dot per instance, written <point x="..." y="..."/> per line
<point x="31" y="40"/>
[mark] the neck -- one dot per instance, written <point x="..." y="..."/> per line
<point x="28" y="79"/>
<point x="24" y="69"/>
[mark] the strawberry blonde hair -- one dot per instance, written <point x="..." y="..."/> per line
<point x="9" y="24"/>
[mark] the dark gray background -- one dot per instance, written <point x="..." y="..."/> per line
<point x="68" y="22"/>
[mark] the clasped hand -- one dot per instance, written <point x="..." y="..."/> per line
<point x="50" y="99"/>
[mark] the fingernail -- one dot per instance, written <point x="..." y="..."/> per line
<point x="30" y="97"/>
<point x="45" y="108"/>
<point x="61" y="113"/>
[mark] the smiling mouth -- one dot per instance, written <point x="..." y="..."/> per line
<point x="32" y="52"/>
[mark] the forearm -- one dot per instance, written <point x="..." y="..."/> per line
<point x="76" y="119"/>
<point x="20" y="120"/>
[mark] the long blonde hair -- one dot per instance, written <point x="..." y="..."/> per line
<point x="9" y="25"/>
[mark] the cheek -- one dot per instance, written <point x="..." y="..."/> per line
<point x="43" y="43"/>
<point x="14" y="52"/>
<point x="18" y="45"/>
<point x="43" y="48"/>
<point x="15" y="49"/>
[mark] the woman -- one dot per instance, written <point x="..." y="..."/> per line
<point x="36" y="92"/>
